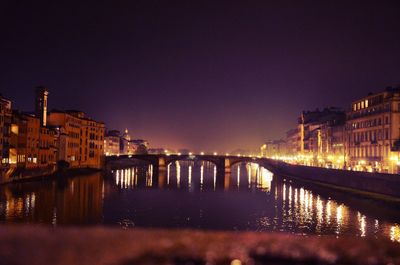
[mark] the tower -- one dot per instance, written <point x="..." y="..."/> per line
<point x="41" y="104"/>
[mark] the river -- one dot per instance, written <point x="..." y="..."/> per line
<point x="252" y="200"/>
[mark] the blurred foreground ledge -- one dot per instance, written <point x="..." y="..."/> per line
<point x="39" y="245"/>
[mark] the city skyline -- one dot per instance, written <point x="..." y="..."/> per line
<point x="181" y="78"/>
<point x="199" y="132"/>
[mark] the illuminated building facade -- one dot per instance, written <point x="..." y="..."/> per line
<point x="318" y="139"/>
<point x="35" y="144"/>
<point x="116" y="144"/>
<point x="80" y="139"/>
<point x="126" y="143"/>
<point x="293" y="141"/>
<point x="31" y="144"/>
<point x="373" y="132"/>
<point x="5" y="130"/>
<point x="112" y="143"/>
<point x="273" y="148"/>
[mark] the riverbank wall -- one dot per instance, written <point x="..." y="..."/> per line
<point x="15" y="176"/>
<point x="365" y="183"/>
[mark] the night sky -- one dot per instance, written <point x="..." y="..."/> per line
<point x="205" y="75"/>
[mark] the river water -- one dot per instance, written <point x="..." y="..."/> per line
<point x="251" y="199"/>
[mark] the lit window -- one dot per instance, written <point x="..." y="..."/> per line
<point x="358" y="105"/>
<point x="366" y="103"/>
<point x="354" y="107"/>
<point x="362" y="104"/>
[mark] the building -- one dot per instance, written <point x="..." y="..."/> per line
<point x="32" y="144"/>
<point x="80" y="140"/>
<point x="140" y="146"/>
<point x="320" y="137"/>
<point x="116" y="144"/>
<point x="373" y="132"/>
<point x="293" y="142"/>
<point x="274" y="149"/>
<point x="135" y="146"/>
<point x="112" y="143"/>
<point x="5" y="130"/>
<point x="35" y="146"/>
<point x="127" y="147"/>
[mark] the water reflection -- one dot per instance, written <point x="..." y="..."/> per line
<point x="72" y="201"/>
<point x="195" y="195"/>
<point x="395" y="233"/>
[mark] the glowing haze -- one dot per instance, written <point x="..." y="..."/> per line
<point x="205" y="75"/>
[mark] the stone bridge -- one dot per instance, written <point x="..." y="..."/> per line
<point x="160" y="163"/>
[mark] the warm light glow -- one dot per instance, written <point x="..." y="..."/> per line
<point x="395" y="233"/>
<point x="215" y="176"/>
<point x="238" y="176"/>
<point x="201" y="174"/>
<point x="328" y="211"/>
<point x="190" y="176"/>
<point x="168" y="173"/>
<point x="178" y="174"/>
<point x="339" y="218"/>
<point x="394" y="158"/>
<point x="202" y="153"/>
<point x="265" y="179"/>
<point x="215" y="153"/>
<point x="363" y="224"/>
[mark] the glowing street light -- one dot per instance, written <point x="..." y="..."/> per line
<point x="215" y="153"/>
<point x="202" y="153"/>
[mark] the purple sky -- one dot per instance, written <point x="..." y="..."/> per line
<point x="205" y="75"/>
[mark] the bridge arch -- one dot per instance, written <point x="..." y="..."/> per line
<point x="235" y="161"/>
<point x="216" y="161"/>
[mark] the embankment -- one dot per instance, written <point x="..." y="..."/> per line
<point x="380" y="185"/>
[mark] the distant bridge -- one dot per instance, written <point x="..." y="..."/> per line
<point x="160" y="163"/>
